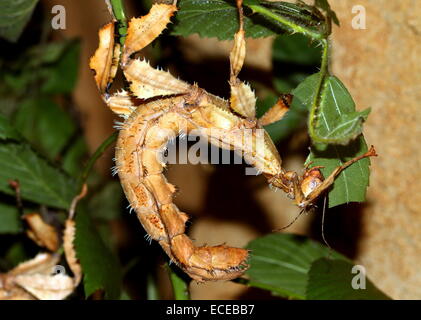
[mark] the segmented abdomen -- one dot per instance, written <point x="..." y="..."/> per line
<point x="142" y="138"/>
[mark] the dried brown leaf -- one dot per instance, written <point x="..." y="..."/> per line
<point x="42" y="263"/>
<point x="42" y="233"/>
<point x="46" y="287"/>
<point x="69" y="250"/>
<point x="34" y="279"/>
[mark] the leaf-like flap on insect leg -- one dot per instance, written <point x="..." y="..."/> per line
<point x="41" y="232"/>
<point x="142" y="31"/>
<point x="147" y="82"/>
<point x="243" y="100"/>
<point x="105" y="59"/>
<point x="121" y="103"/>
<point x="69" y="250"/>
<point x="237" y="54"/>
<point x="276" y="112"/>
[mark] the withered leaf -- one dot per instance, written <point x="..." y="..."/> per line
<point x="69" y="250"/>
<point x="34" y="279"/>
<point x="42" y="233"/>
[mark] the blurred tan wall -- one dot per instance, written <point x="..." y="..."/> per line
<point x="381" y="66"/>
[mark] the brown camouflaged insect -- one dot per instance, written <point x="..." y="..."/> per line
<point x="157" y="108"/>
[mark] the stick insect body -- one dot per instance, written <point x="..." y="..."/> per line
<point x="157" y="108"/>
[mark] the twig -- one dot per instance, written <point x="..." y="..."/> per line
<point x="116" y="9"/>
<point x="16" y="186"/>
<point x="76" y="199"/>
<point x="98" y="153"/>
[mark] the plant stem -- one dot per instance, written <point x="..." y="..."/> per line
<point x="98" y="153"/>
<point x="290" y="24"/>
<point x="118" y="12"/>
<point x="324" y="72"/>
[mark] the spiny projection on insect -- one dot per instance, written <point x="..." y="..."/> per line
<point x="157" y="108"/>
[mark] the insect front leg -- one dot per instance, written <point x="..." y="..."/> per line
<point x="145" y="81"/>
<point x="242" y="100"/>
<point x="105" y="60"/>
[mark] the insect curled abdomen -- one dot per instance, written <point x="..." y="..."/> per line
<point x="141" y="141"/>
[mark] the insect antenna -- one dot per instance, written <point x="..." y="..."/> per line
<point x="291" y="223"/>
<point x="323" y="227"/>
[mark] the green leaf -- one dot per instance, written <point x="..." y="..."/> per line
<point x="291" y="17"/>
<point x="305" y="91"/>
<point x="352" y="183"/>
<point x="14" y="15"/>
<point x="40" y="182"/>
<point x="300" y="12"/>
<point x="295" y="49"/>
<point x="331" y="279"/>
<point x="61" y="76"/>
<point x="106" y="204"/>
<point x="179" y="285"/>
<point x="48" y="53"/>
<point x="325" y="6"/>
<point x="152" y="291"/>
<point x="101" y="269"/>
<point x="280" y="263"/>
<point x="45" y="125"/>
<point x="73" y="158"/>
<point x="333" y="118"/>
<point x="217" y="18"/>
<point x="294" y="58"/>
<point x="336" y="118"/>
<point x="10" y="221"/>
<point x="7" y="131"/>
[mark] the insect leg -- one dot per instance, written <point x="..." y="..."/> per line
<point x="243" y="100"/>
<point x="276" y="112"/>
<point x="105" y="59"/>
